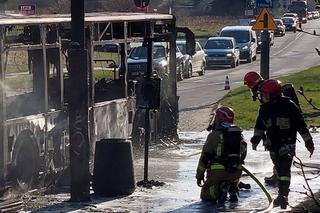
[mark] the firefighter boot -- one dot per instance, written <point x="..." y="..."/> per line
<point x="223" y="192"/>
<point x="273" y="179"/>
<point x="281" y="201"/>
<point x="234" y="193"/>
<point x="243" y="185"/>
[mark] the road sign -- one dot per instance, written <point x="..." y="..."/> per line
<point x="264" y="21"/>
<point x="27" y="9"/>
<point x="264" y="3"/>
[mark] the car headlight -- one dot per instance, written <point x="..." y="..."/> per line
<point x="245" y="47"/>
<point x="229" y="54"/>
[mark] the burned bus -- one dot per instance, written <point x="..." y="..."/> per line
<point x="35" y="88"/>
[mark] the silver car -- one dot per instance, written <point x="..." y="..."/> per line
<point x="222" y="51"/>
<point x="192" y="63"/>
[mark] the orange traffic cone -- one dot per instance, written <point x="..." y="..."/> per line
<point x="227" y="84"/>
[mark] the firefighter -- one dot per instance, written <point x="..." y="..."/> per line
<point x="280" y="119"/>
<point x="254" y="80"/>
<point x="221" y="158"/>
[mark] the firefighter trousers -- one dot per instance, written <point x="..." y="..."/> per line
<point x="283" y="167"/>
<point x="211" y="186"/>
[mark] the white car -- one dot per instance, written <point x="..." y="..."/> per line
<point x="194" y="63"/>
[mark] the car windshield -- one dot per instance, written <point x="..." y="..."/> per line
<point x="253" y="22"/>
<point x="218" y="44"/>
<point x="182" y="48"/>
<point x="141" y="52"/>
<point x="279" y="22"/>
<point x="289" y="15"/>
<point x="239" y="36"/>
<point x="288" y="20"/>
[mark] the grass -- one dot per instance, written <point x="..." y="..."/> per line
<point x="206" y="26"/>
<point x="246" y="110"/>
<point x="20" y="83"/>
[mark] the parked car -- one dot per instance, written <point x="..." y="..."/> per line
<point x="180" y="64"/>
<point x="194" y="63"/>
<point x="111" y="48"/>
<point x="315" y="14"/>
<point x="281" y="28"/>
<point x="290" y="23"/>
<point x="309" y="15"/>
<point x="222" y="51"/>
<point x="292" y="15"/>
<point x="137" y="61"/>
<point x="258" y="33"/>
<point x="246" y="40"/>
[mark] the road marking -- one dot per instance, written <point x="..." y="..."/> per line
<point x="290" y="43"/>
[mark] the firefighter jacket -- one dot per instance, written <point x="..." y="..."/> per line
<point x="223" y="149"/>
<point x="281" y="119"/>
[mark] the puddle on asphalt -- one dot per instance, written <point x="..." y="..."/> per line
<point x="180" y="194"/>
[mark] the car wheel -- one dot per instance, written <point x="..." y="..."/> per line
<point x="202" y="69"/>
<point x="254" y="58"/>
<point x="249" y="59"/>
<point x="233" y="64"/>
<point x="180" y="75"/>
<point x="294" y="30"/>
<point x="189" y="71"/>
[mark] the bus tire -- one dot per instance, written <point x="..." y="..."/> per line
<point x="26" y="164"/>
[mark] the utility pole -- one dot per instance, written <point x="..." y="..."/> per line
<point x="265" y="50"/>
<point x="78" y="106"/>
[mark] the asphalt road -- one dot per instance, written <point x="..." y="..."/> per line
<point x="291" y="53"/>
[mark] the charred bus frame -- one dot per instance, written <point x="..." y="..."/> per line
<point x="34" y="142"/>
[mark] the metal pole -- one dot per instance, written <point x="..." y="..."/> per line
<point x="78" y="107"/>
<point x="3" y="132"/>
<point x="265" y="50"/>
<point x="147" y="116"/>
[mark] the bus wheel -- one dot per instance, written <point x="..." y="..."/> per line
<point x="26" y="166"/>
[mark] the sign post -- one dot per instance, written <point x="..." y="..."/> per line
<point x="265" y="23"/>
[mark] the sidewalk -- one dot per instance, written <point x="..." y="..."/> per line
<point x="176" y="168"/>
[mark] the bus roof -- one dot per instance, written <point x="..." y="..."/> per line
<point x="6" y="20"/>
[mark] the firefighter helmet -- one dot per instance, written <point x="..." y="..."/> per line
<point x="271" y="88"/>
<point x="251" y="79"/>
<point x="225" y="114"/>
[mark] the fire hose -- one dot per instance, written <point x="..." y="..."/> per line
<point x="262" y="187"/>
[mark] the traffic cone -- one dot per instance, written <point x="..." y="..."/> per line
<point x="227" y="84"/>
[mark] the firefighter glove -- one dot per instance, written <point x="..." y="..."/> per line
<point x="255" y="141"/>
<point x="310" y="146"/>
<point x="254" y="146"/>
<point x="199" y="182"/>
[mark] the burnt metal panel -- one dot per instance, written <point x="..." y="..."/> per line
<point x="116" y="118"/>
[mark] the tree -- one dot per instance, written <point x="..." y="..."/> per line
<point x="227" y="7"/>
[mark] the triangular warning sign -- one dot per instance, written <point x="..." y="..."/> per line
<point x="264" y="21"/>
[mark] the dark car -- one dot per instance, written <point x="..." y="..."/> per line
<point x="112" y="48"/>
<point x="222" y="51"/>
<point x="290" y="23"/>
<point x="258" y="33"/>
<point x="137" y="61"/>
<point x="281" y="28"/>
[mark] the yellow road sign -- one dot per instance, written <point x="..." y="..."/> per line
<point x="264" y="21"/>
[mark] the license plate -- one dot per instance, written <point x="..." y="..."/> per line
<point x="214" y="59"/>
